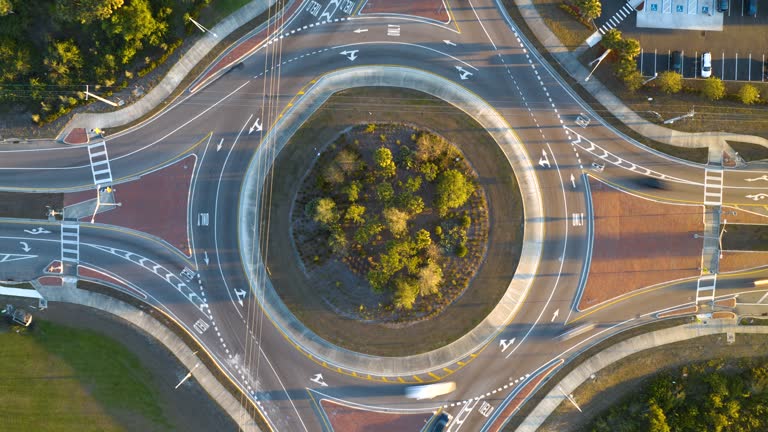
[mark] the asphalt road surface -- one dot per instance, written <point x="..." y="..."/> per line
<point x="225" y="123"/>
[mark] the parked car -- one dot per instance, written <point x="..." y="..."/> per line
<point x="440" y="424"/>
<point x="722" y="6"/>
<point x="677" y="62"/>
<point x="752" y="7"/>
<point x="597" y="166"/>
<point x="706" y="65"/>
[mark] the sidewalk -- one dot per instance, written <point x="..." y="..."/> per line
<point x="715" y="141"/>
<point x="87" y="121"/>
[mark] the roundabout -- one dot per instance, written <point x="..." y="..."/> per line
<point x="227" y="133"/>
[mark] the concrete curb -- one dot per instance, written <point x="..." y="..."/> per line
<point x="612" y="354"/>
<point x="173" y="78"/>
<point x="163" y="335"/>
<point x="476" y="108"/>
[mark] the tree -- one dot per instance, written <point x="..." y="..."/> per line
<point x="353" y="190"/>
<point x="429" y="170"/>
<point x="348" y="161"/>
<point x="323" y="210"/>
<point x="15" y="60"/>
<point x="748" y="94"/>
<point x="453" y="190"/>
<point x="590" y="9"/>
<point x="85" y="11"/>
<point x="64" y="61"/>
<point x="333" y="174"/>
<point x="355" y="214"/>
<point x="670" y="82"/>
<point x="338" y="241"/>
<point x="5" y="7"/>
<point x="713" y="89"/>
<point x="383" y="159"/>
<point x="134" y="24"/>
<point x="406" y="291"/>
<point x="422" y="239"/>
<point x="385" y="192"/>
<point x="396" y="220"/>
<point x="657" y="421"/>
<point x="633" y="80"/>
<point x="429" y="278"/>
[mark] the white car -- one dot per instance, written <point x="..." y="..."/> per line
<point x="429" y="391"/>
<point x="706" y="65"/>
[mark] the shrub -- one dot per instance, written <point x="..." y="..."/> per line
<point x="748" y="94"/>
<point x="713" y="89"/>
<point x="397" y="221"/>
<point x="322" y="210"/>
<point x="355" y="214"/>
<point x="371" y="128"/>
<point x="453" y="190"/>
<point x="670" y="82"/>
<point x="429" y="278"/>
<point x="429" y="170"/>
<point x="385" y="193"/>
<point x="406" y="291"/>
<point x="461" y="250"/>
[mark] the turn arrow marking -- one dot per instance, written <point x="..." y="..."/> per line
<point x="218" y="146"/>
<point x="256" y="126"/>
<point x="358" y="31"/>
<point x="351" y="55"/>
<point x="447" y="42"/>
<point x="554" y="315"/>
<point x="25" y="247"/>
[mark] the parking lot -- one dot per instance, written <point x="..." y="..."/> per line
<point x="739" y="51"/>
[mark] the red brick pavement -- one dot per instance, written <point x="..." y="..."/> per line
<point x="76" y="136"/>
<point x="155" y="204"/>
<point x="344" y="418"/>
<point x="430" y="9"/>
<point x="639" y="243"/>
<point x="92" y="273"/>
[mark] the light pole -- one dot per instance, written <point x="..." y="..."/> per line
<point x="674" y="119"/>
<point x="598" y="60"/>
<point x="655" y="75"/>
<point x="201" y="27"/>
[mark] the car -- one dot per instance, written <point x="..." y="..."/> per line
<point x="722" y="6"/>
<point x="677" y="62"/>
<point x="752" y="7"/>
<point x="440" y="424"/>
<point x="597" y="166"/>
<point x="652" y="183"/>
<point x="429" y="391"/>
<point x="706" y="65"/>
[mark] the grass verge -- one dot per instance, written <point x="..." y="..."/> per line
<point x="189" y="340"/>
<point x="746" y="237"/>
<point x="63" y="379"/>
<point x="570" y="32"/>
<point x="220" y="9"/>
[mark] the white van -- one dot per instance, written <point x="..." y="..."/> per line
<point x="706" y="65"/>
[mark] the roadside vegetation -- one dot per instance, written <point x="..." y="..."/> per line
<point x="63" y="379"/>
<point x="400" y="208"/>
<point x="713" y="396"/>
<point x="50" y="49"/>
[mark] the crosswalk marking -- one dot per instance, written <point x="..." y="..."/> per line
<point x="623" y="13"/>
<point x="70" y="242"/>
<point x="577" y="219"/>
<point x="393" y="30"/>
<point x="100" y="169"/>
<point x="705" y="288"/>
<point x="713" y="187"/>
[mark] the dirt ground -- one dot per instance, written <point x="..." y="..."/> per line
<point x="188" y="409"/>
<point x="628" y="375"/>
<point x="29" y="205"/>
<point x="639" y="243"/>
<point x="495" y="176"/>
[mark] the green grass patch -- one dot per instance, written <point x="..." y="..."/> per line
<point x="749" y="151"/>
<point x="56" y="378"/>
<point x="746" y="237"/>
<point x="568" y="30"/>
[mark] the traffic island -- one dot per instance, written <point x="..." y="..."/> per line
<point x="346" y="418"/>
<point x="639" y="243"/>
<point x="430" y="9"/>
<point x="329" y="292"/>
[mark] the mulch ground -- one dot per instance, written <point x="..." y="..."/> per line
<point x="347" y="419"/>
<point x="639" y="243"/>
<point x="155" y="204"/>
<point x="430" y="9"/>
<point x="28" y="205"/>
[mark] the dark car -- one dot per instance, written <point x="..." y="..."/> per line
<point x="677" y="62"/>
<point x="440" y="423"/>
<point x="722" y="6"/>
<point x="752" y="7"/>
<point x="651" y="183"/>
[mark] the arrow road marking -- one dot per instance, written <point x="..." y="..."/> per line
<point x="37" y="231"/>
<point x="240" y="296"/>
<point x="351" y="55"/>
<point x="573" y="181"/>
<point x="554" y="315"/>
<point x="504" y="344"/>
<point x="319" y="380"/>
<point x="544" y="160"/>
<point x="219" y="145"/>
<point x="25" y="247"/>
<point x="205" y="258"/>
<point x="763" y="177"/>
<point x="464" y="74"/>
<point x="358" y="31"/>
<point x="256" y="126"/>
<point x="447" y="42"/>
<point x="757" y="197"/>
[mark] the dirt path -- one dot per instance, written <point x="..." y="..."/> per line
<point x="504" y="207"/>
<point x="188" y="409"/>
